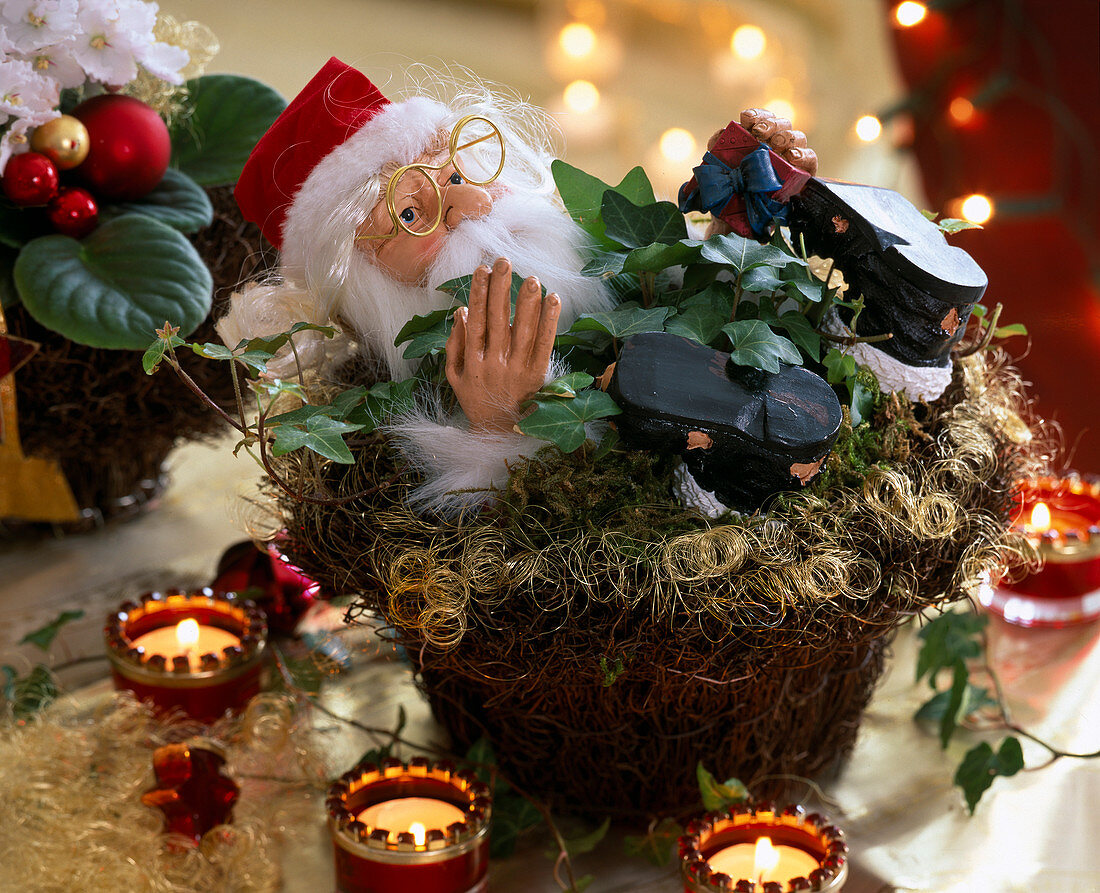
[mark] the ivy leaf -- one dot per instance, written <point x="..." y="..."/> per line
<point x="253" y="359"/>
<point x="863" y="402"/>
<point x="273" y="343"/>
<point x="760" y="280"/>
<point x="298" y="416"/>
<point x="639" y="227"/>
<point x="702" y="316"/>
<point x="718" y="795"/>
<point x="611" y="671"/>
<point x="586" y="843"/>
<point x="755" y="344"/>
<point x="605" y="264"/>
<point x="512" y="816"/>
<point x="801" y="332"/>
<point x="740" y="254"/>
<point x="799" y="284"/>
<point x="951" y="225"/>
<point x="323" y="435"/>
<point x="838" y="366"/>
<point x="177" y="201"/>
<point x="929" y="215"/>
<point x="562" y="421"/>
<point x="1008" y="331"/>
<point x="155" y="352"/>
<point x="428" y="333"/>
<point x="376" y="755"/>
<point x="951" y="637"/>
<point x="29" y="694"/>
<point x="117" y="285"/>
<point x="565" y="386"/>
<point x="43" y="636"/>
<point x="656" y="847"/>
<point x="583" y="195"/>
<point x="974" y="699"/>
<point x="383" y="401"/>
<point x="981" y="765"/>
<point x="624" y="321"/>
<point x="659" y="256"/>
<point x="950" y="719"/>
<point x="228" y="115"/>
<point x="607" y="443"/>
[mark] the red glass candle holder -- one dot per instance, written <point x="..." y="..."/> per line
<point x="192" y="789"/>
<point x="790" y="826"/>
<point x="451" y="859"/>
<point x="223" y="680"/>
<point x="1066" y="591"/>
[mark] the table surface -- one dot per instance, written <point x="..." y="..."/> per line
<point x="907" y="825"/>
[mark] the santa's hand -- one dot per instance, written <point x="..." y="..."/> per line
<point x="495" y="367"/>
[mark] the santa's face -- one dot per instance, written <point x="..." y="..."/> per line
<point x="408" y="257"/>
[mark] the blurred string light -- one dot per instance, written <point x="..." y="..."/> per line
<point x="961" y="110"/>
<point x="577" y="40"/>
<point x="581" y="97"/>
<point x="748" y="42"/>
<point x="910" y="13"/>
<point x="677" y="144"/>
<point x="868" y="128"/>
<point x="977" y="208"/>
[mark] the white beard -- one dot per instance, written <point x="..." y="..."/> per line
<point x="530" y="230"/>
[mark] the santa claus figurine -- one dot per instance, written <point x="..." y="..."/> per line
<point x="373" y="204"/>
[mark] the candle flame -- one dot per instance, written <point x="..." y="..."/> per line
<point x="1040" y="516"/>
<point x="765" y="858"/>
<point x="419" y="833"/>
<point x="187" y="632"/>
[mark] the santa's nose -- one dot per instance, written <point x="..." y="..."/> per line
<point x="464" y="201"/>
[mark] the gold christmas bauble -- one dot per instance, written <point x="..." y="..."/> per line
<point x="63" y="140"/>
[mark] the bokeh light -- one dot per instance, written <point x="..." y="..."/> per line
<point x="977" y="208"/>
<point x="577" y="40"/>
<point x="581" y="97"/>
<point x="748" y="42"/>
<point x="868" y="128"/>
<point x="677" y="144"/>
<point x="910" y="13"/>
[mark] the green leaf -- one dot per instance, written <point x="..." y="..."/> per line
<point x="565" y="386"/>
<point x="839" y="366"/>
<point x="974" y="699"/>
<point x="755" y="344"/>
<point x="323" y="435"/>
<point x="611" y="670"/>
<point x="562" y="421"/>
<point x="384" y="401"/>
<point x="802" y="333"/>
<point x="582" y="883"/>
<point x="586" y="843"/>
<point x="459" y="289"/>
<point x="740" y="254"/>
<point x="719" y="795"/>
<point x="1016" y="328"/>
<point x="376" y="755"/>
<point x="117" y="286"/>
<point x="44" y="636"/>
<point x="426" y="334"/>
<point x="512" y="816"/>
<point x="177" y="201"/>
<point x="277" y="388"/>
<point x="951" y="637"/>
<point x="760" y="280"/>
<point x="951" y="225"/>
<point x="583" y="195"/>
<point x="155" y="352"/>
<point x="863" y="402"/>
<point x="29" y="694"/>
<point x="624" y="321"/>
<point x="950" y="719"/>
<point x="607" y="443"/>
<point x="272" y="343"/>
<point x="228" y="116"/>
<point x="929" y="215"/>
<point x="638" y="227"/>
<point x="298" y="416"/>
<point x="253" y="359"/>
<point x="702" y="316"/>
<point x="604" y="264"/>
<point x="981" y="765"/>
<point x="799" y="284"/>
<point x="657" y="257"/>
<point x="656" y="847"/>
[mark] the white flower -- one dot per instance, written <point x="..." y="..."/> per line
<point x="14" y="141"/>
<point x="32" y="24"/>
<point x="58" y="63"/>
<point x="26" y="94"/>
<point x="105" y="49"/>
<point x="163" y="60"/>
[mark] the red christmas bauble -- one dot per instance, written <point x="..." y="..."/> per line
<point x="129" y="146"/>
<point x="30" y="179"/>
<point x="73" y="212"/>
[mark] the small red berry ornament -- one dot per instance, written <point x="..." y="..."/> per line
<point x="73" y="212"/>
<point x="128" y="149"/>
<point x="30" y="179"/>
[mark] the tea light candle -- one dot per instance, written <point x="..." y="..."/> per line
<point x="198" y="651"/>
<point x="1061" y="518"/>
<point x="410" y="826"/>
<point x="760" y="849"/>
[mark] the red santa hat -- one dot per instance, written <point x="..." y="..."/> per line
<point x="336" y="134"/>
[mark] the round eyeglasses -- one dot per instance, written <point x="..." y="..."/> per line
<point x="477" y="152"/>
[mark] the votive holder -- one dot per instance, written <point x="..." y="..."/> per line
<point x="203" y="683"/>
<point x="431" y="859"/>
<point x="812" y="838"/>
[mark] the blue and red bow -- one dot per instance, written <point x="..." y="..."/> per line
<point x="748" y="186"/>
